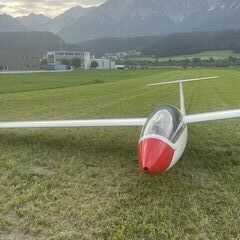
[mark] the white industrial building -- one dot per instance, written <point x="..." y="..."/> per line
<point x="56" y="57"/>
<point x="104" y="63"/>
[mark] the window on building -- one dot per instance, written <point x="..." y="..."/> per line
<point x="50" y="58"/>
<point x="60" y="53"/>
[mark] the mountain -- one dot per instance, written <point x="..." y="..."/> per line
<point x="40" y="22"/>
<point x="132" y="18"/>
<point x="34" y="21"/>
<point x="10" y="24"/>
<point x="129" y="18"/>
<point x="66" y="19"/>
<point x="34" y="42"/>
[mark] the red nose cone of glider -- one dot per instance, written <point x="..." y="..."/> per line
<point x="154" y="155"/>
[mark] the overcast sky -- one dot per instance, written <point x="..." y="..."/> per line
<point x="47" y="7"/>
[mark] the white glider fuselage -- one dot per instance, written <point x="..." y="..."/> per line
<point x="163" y="141"/>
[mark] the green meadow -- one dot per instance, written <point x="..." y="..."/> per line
<point x="217" y="55"/>
<point x="65" y="184"/>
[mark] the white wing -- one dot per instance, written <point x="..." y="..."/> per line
<point x="212" y="116"/>
<point x="124" y="122"/>
<point x="129" y="122"/>
<point x="182" y="81"/>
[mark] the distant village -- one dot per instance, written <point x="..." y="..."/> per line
<point x="62" y="60"/>
<point x="59" y="60"/>
<point x="53" y="60"/>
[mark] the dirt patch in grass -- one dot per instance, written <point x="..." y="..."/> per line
<point x="18" y="235"/>
<point x="13" y="217"/>
<point x="15" y="233"/>
<point x="41" y="171"/>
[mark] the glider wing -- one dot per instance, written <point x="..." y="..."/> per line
<point x="211" y="116"/>
<point x="128" y="122"/>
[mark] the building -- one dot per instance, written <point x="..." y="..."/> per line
<point x="136" y="66"/>
<point x="116" y="56"/>
<point x="122" y="55"/>
<point x="55" y="67"/>
<point x="19" y="61"/>
<point x="104" y="63"/>
<point x="56" y="57"/>
<point x="120" y="67"/>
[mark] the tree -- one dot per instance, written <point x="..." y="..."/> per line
<point x="65" y="62"/>
<point x="94" y="64"/>
<point x="196" y="62"/>
<point x="43" y="63"/>
<point x="76" y="63"/>
<point x="185" y="63"/>
<point x="232" y="59"/>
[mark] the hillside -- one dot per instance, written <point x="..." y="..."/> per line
<point x="157" y="46"/>
<point x="171" y="45"/>
<point x="111" y="45"/>
<point x="35" y="42"/>
<point x="190" y="43"/>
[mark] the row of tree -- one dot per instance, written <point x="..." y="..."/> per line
<point x="185" y="63"/>
<point x="167" y="46"/>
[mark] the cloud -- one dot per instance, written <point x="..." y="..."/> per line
<point x="2" y="9"/>
<point x="47" y="7"/>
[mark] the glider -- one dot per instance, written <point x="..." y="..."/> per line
<point x="164" y="134"/>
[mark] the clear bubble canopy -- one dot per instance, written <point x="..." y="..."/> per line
<point x="165" y="122"/>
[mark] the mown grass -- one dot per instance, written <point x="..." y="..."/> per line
<point x="85" y="183"/>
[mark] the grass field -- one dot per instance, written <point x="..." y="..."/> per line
<point x="85" y="183"/>
<point x="206" y="55"/>
<point x="203" y="55"/>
